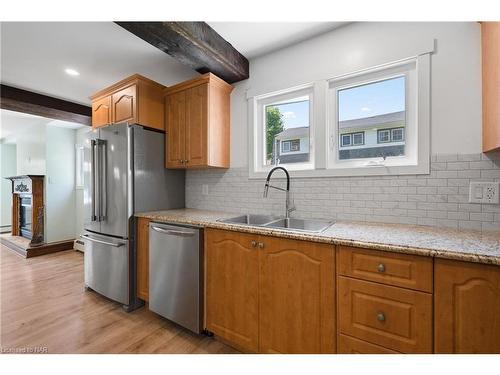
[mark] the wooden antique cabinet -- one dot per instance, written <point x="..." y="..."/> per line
<point x="197" y="123"/>
<point x="270" y="295"/>
<point x="134" y="100"/>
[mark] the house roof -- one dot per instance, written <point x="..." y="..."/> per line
<point x="374" y="120"/>
<point x="293" y="133"/>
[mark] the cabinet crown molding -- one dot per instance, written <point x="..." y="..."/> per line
<point x="133" y="79"/>
<point x="210" y="78"/>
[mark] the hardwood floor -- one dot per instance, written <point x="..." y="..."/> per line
<point x="43" y="304"/>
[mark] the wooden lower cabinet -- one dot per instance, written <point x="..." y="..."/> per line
<point x="142" y="248"/>
<point x="270" y="295"/>
<point x="395" y="318"/>
<point x="232" y="288"/>
<point x="297" y="296"/>
<point x="467" y="307"/>
<point x="351" y="345"/>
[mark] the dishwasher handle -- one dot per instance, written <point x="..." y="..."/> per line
<point x="173" y="232"/>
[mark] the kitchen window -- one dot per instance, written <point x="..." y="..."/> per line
<point x="371" y="122"/>
<point x="283" y="131"/>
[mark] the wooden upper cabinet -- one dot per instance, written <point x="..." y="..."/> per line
<point x="125" y="105"/>
<point x="467" y="307"/>
<point x="134" y="100"/>
<point x="175" y="138"/>
<point x="232" y="287"/>
<point x="490" y="47"/>
<point x="203" y="118"/>
<point x="297" y="296"/>
<point x="101" y="111"/>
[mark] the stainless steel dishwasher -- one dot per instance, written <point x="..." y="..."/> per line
<point x="174" y="274"/>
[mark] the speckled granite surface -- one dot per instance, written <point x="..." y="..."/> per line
<point x="455" y="244"/>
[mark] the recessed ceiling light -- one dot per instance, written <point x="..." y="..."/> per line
<point x="71" y="72"/>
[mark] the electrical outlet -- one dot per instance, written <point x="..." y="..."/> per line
<point x="204" y="189"/>
<point x="484" y="192"/>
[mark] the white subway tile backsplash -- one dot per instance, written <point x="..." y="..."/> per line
<point x="437" y="199"/>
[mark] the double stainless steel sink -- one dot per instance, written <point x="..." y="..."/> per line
<point x="292" y="224"/>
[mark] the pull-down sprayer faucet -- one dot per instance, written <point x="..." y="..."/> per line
<point x="288" y="206"/>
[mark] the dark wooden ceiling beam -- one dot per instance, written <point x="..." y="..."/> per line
<point x="14" y="99"/>
<point x="194" y="44"/>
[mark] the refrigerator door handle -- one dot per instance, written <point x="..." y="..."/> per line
<point x="93" y="178"/>
<point x="87" y="237"/>
<point x="103" y="180"/>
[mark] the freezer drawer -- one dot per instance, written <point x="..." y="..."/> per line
<point x="174" y="274"/>
<point x="106" y="263"/>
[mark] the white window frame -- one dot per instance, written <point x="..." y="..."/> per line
<point x="283" y="143"/>
<point x="402" y="134"/>
<point x="323" y="131"/>
<point x="362" y="138"/>
<point x="417" y="147"/>
<point x="258" y="136"/>
<point x="387" y="131"/>
<point x="348" y="135"/>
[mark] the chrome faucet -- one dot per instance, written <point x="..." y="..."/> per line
<point x="288" y="205"/>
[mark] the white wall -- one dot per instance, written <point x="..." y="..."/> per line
<point x="30" y="151"/>
<point x="455" y="75"/>
<point x="79" y="208"/>
<point x="60" y="183"/>
<point x="7" y="168"/>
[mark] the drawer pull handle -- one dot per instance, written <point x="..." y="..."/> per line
<point x="254" y="243"/>
<point x="381" y="268"/>
<point x="261" y="245"/>
<point x="381" y="317"/>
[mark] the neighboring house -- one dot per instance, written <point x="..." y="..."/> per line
<point x="292" y="145"/>
<point x="376" y="136"/>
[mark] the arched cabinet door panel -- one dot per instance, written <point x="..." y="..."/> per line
<point x="101" y="112"/>
<point x="125" y="105"/>
<point x="467" y="307"/>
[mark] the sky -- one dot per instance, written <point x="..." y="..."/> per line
<point x="357" y="102"/>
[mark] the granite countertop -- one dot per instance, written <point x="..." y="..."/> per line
<point x="466" y="245"/>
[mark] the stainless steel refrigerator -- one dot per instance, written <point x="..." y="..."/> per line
<point x="124" y="174"/>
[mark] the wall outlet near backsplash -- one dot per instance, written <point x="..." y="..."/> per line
<point x="484" y="192"/>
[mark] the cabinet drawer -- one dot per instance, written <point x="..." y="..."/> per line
<point x="407" y="271"/>
<point x="394" y="318"/>
<point x="350" y="345"/>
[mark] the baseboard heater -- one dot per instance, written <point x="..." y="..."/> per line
<point x="79" y="245"/>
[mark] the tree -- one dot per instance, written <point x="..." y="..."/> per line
<point x="274" y="125"/>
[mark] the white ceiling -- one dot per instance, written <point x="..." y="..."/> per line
<point x="35" y="54"/>
<point x="14" y="125"/>
<point x="253" y="39"/>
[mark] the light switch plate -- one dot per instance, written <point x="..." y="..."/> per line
<point x="484" y="192"/>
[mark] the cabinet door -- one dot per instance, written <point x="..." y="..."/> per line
<point x="101" y="112"/>
<point x="125" y="105"/>
<point x="351" y="345"/>
<point x="297" y="296"/>
<point x="143" y="258"/>
<point x="176" y="129"/>
<point x="467" y="307"/>
<point x="231" y="287"/>
<point x="197" y="126"/>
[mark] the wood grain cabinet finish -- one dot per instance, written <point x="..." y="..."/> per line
<point x="231" y="288"/>
<point x="197" y="117"/>
<point x="270" y="295"/>
<point x="296" y="296"/>
<point x="408" y="271"/>
<point x="101" y="111"/>
<point x="351" y="345"/>
<point x="467" y="307"/>
<point x="490" y="49"/>
<point x="395" y="318"/>
<point x="142" y="247"/>
<point x="134" y="100"/>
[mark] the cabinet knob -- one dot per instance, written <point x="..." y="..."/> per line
<point x="381" y="317"/>
<point x="261" y="245"/>
<point x="254" y="243"/>
<point x="381" y="267"/>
